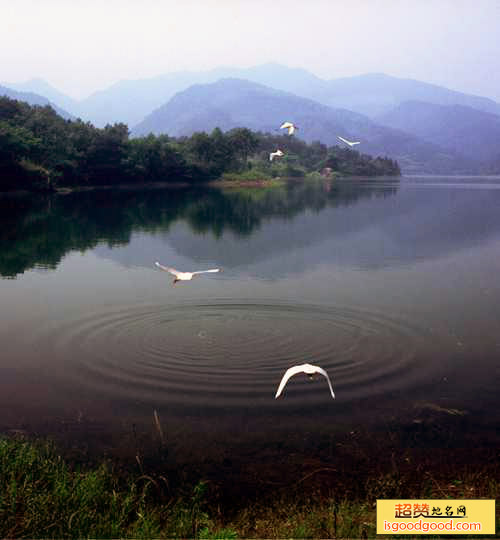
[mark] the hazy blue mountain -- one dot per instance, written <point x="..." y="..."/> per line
<point x="294" y="80"/>
<point x="43" y="88"/>
<point x="376" y="93"/>
<point x="464" y="130"/>
<point x="130" y="101"/>
<point x="33" y="99"/>
<point x="230" y="103"/>
<point x="371" y="94"/>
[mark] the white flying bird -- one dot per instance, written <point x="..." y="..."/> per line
<point x="184" y="276"/>
<point x="278" y="153"/>
<point x="288" y="125"/>
<point x="350" y="143"/>
<point x="304" y="368"/>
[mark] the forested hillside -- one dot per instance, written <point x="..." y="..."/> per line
<point x="41" y="150"/>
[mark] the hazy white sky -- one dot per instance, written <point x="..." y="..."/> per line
<point x="80" y="46"/>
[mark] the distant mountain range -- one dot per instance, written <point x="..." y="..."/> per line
<point x="373" y="94"/>
<point x="230" y="103"/>
<point x="426" y="127"/>
<point x="42" y="88"/>
<point x="33" y="99"/>
<point x="466" y="131"/>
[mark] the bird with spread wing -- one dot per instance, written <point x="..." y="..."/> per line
<point x="350" y="143"/>
<point x="304" y="368"/>
<point x="184" y="276"/>
<point x="290" y="126"/>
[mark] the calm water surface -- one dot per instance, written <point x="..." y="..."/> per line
<point x="391" y="286"/>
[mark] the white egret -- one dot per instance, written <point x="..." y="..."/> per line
<point x="288" y="125"/>
<point x="350" y="143"/>
<point x="278" y="153"/>
<point x="304" y="368"/>
<point x="184" y="276"/>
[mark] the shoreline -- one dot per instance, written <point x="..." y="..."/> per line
<point x="217" y="183"/>
<point x="423" y="436"/>
<point x="259" y="492"/>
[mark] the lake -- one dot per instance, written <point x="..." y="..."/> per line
<point x="391" y="285"/>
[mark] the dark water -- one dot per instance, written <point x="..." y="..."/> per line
<point x="391" y="286"/>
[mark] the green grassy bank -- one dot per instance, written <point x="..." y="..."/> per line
<point x="42" y="496"/>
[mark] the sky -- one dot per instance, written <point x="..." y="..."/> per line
<point x="80" y="46"/>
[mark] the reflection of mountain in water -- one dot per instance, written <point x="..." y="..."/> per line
<point x="39" y="232"/>
<point x="267" y="232"/>
<point x="371" y="231"/>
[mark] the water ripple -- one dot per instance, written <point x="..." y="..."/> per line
<point x="233" y="353"/>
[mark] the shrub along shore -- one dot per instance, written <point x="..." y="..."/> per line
<point x="40" y="150"/>
<point x="43" y="495"/>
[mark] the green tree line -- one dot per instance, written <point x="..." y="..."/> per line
<point x="40" y="150"/>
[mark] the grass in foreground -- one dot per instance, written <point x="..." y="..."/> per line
<point x="42" y="497"/>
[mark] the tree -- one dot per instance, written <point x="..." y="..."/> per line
<point x="199" y="145"/>
<point x="16" y="142"/>
<point x="106" y="155"/>
<point x="244" y="143"/>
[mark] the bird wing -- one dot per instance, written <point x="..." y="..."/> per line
<point x="350" y="143"/>
<point x="286" y="125"/>
<point x="205" y="271"/>
<point x="290" y="372"/>
<point x="168" y="269"/>
<point x="325" y="374"/>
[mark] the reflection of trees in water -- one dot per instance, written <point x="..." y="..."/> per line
<point x="243" y="210"/>
<point x="39" y="232"/>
